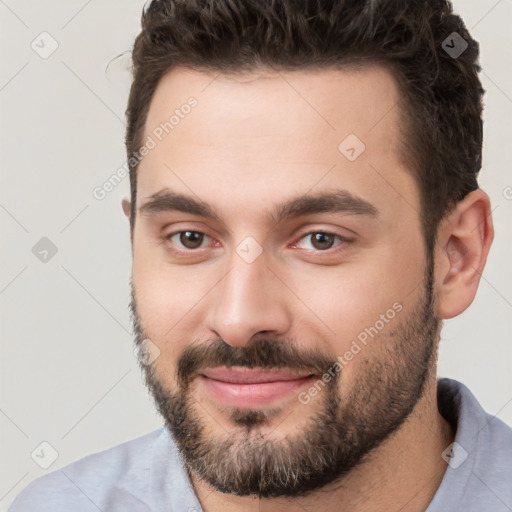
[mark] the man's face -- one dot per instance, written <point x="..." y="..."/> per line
<point x="339" y="292"/>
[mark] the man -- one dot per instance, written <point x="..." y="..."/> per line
<point x="304" y="214"/>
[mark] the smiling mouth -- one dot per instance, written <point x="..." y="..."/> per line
<point x="246" y="387"/>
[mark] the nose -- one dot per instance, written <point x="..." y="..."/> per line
<point x="249" y="300"/>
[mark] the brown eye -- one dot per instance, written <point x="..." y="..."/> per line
<point x="322" y="240"/>
<point x="191" y="239"/>
<point x="187" y="239"/>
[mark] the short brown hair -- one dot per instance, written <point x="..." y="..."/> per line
<point x="442" y="95"/>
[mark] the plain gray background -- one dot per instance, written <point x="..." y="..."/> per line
<point x="68" y="373"/>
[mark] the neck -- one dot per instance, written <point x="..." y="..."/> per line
<point x="403" y="473"/>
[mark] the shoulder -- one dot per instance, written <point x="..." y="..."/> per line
<point x="475" y="426"/>
<point x="479" y="477"/>
<point x="117" y="476"/>
<point x="492" y="471"/>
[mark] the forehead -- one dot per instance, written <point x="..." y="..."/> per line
<point x="309" y="102"/>
<point x="272" y="134"/>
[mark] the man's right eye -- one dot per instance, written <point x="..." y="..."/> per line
<point x="188" y="239"/>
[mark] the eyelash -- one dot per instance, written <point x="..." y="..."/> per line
<point x="343" y="241"/>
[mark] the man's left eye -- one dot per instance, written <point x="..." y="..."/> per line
<point x="321" y="240"/>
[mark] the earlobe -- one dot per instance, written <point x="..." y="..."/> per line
<point x="126" y="207"/>
<point x="464" y="242"/>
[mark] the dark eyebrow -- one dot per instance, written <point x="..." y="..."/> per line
<point x="165" y="200"/>
<point x="326" y="202"/>
<point x="340" y="201"/>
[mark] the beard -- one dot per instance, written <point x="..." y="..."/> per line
<point x="344" y="427"/>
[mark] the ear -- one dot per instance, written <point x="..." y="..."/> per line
<point x="126" y="207"/>
<point x="464" y="240"/>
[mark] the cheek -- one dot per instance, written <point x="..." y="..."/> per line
<point x="361" y="301"/>
<point x="168" y="300"/>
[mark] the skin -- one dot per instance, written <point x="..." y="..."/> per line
<point x="251" y="143"/>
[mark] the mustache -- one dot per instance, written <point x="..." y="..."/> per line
<point x="262" y="353"/>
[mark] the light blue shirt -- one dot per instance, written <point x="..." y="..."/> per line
<point x="147" y="475"/>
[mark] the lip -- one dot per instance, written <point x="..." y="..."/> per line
<point x="250" y="387"/>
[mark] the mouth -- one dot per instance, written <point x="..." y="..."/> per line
<point x="251" y="387"/>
